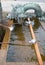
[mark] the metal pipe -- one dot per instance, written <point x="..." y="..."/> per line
<point x="36" y="45"/>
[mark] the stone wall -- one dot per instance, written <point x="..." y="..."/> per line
<point x="0" y="12"/>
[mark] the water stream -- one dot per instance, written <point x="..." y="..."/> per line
<point x="21" y="34"/>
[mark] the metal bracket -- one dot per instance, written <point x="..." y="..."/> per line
<point x="11" y="28"/>
<point x="28" y="22"/>
<point x="33" y="41"/>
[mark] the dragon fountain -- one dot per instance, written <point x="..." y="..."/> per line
<point x="19" y="11"/>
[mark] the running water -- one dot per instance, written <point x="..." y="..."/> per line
<point x="21" y="34"/>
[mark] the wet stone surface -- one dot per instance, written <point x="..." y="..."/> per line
<point x="25" y="53"/>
